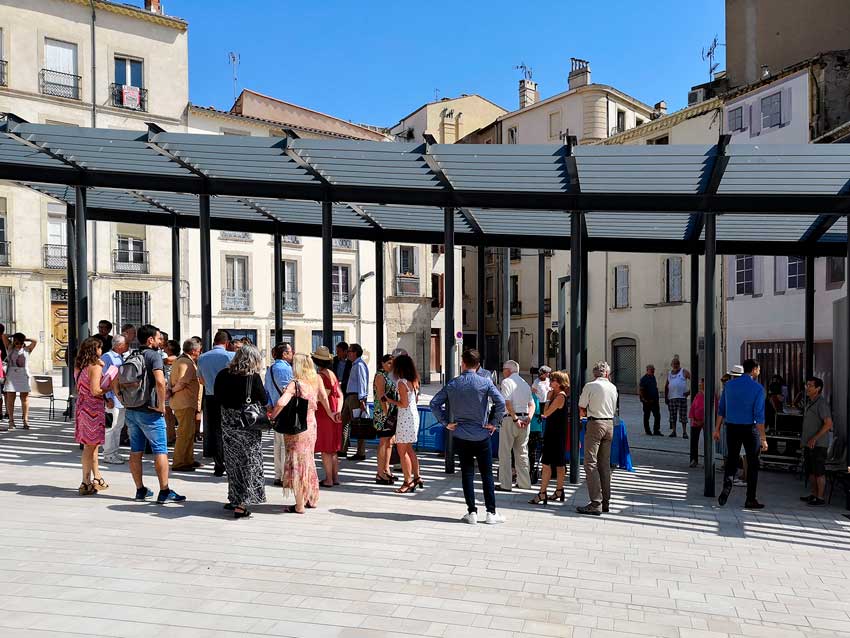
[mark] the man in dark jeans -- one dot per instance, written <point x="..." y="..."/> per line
<point x="648" y="390"/>
<point x="467" y="399"/>
<point x="742" y="409"/>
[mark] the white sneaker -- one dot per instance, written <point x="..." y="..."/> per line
<point x="471" y="518"/>
<point x="114" y="459"/>
<point x="739" y="483"/>
<point x="494" y="518"/>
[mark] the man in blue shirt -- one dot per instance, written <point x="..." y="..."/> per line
<point x="742" y="409"/>
<point x="209" y="365"/>
<point x="278" y="376"/>
<point x="112" y="443"/>
<point x="466" y="398"/>
<point x="355" y="395"/>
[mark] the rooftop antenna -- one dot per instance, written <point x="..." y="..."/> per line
<point x="436" y="95"/>
<point x="234" y="63"/>
<point x="526" y="70"/>
<point x="708" y="54"/>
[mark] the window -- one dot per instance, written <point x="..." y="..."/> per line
<point x="771" y="110"/>
<point x="490" y="295"/>
<point x="664" y="139"/>
<point x="835" y="271"/>
<point x="639" y="121"/>
<point x="515" y="254"/>
<point x="621" y="121"/>
<point x="744" y="275"/>
<point x="7" y="308"/>
<point x="128" y="72"/>
<point x="4" y="244"/>
<point x="131" y="255"/>
<point x="673" y="280"/>
<point x="438" y="249"/>
<point x="437" y="291"/>
<point x="4" y="80"/>
<point x="340" y="289"/>
<point x="236" y="295"/>
<point x="554" y="125"/>
<point x="132" y="306"/>
<point x="512" y="136"/>
<point x="56" y="249"/>
<point x="291" y="296"/>
<point x="735" y="119"/>
<point x="621" y="287"/>
<point x="59" y="75"/>
<point x="516" y="306"/>
<point x="796" y="272"/>
<point x="286" y="336"/>
<point x="338" y="337"/>
<point x="406" y="260"/>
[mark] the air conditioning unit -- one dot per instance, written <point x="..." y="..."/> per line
<point x="696" y="96"/>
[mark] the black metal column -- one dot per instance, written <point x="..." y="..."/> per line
<point x="81" y="266"/>
<point x="810" y="316"/>
<point x="481" y="308"/>
<point x="175" y="279"/>
<point x="541" y="308"/>
<point x="327" y="276"/>
<point x="583" y="291"/>
<point x="695" y="363"/>
<point x="379" y="300"/>
<point x="576" y="279"/>
<point x="847" y="346"/>
<point x="206" y="272"/>
<point x="71" y="248"/>
<point x="278" y="285"/>
<point x="505" y="353"/>
<point x="449" y="310"/>
<point x="710" y="353"/>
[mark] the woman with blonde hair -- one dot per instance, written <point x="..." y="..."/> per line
<point x="299" y="470"/>
<point x="554" y="457"/>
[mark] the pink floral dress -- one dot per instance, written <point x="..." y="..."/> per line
<point x="299" y="471"/>
<point x="90" y="416"/>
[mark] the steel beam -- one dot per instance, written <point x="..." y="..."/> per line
<point x="541" y="308"/>
<point x="481" y="303"/>
<point x="576" y="314"/>
<point x="175" y="280"/>
<point x="449" y="314"/>
<point x="327" y="275"/>
<point x="505" y="352"/>
<point x="81" y="266"/>
<point x="695" y="363"/>
<point x="278" y="285"/>
<point x="710" y="352"/>
<point x="206" y="271"/>
<point x="380" y="291"/>
<point x="71" y="248"/>
<point x="809" y="322"/>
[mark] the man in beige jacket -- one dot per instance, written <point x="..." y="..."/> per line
<point x="186" y="403"/>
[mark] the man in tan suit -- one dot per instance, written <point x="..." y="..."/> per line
<point x="186" y="403"/>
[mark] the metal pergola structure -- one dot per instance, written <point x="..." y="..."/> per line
<point x="689" y="199"/>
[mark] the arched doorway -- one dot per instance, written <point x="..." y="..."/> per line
<point x="624" y="364"/>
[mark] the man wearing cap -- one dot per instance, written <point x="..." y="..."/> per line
<point x="598" y="402"/>
<point x="513" y="435"/>
<point x="741" y="408"/>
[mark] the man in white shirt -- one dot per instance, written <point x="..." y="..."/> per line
<point x="541" y="386"/>
<point x="598" y="402"/>
<point x="513" y="435"/>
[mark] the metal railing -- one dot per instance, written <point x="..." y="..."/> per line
<point x="134" y="261"/>
<point x="4" y="78"/>
<point x="5" y="250"/>
<point x="54" y="256"/>
<point x="128" y="100"/>
<point x="406" y="286"/>
<point x="291" y="301"/>
<point x="59" y="84"/>
<point x="348" y="244"/>
<point x="516" y="307"/>
<point x="234" y="235"/>
<point x="294" y="240"/>
<point x="341" y="303"/>
<point x="235" y="299"/>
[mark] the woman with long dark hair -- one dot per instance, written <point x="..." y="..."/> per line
<point x="18" y="377"/>
<point x="407" y="428"/>
<point x="554" y="458"/>
<point x="384" y="386"/>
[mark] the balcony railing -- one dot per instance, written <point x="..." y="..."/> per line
<point x="5" y="250"/>
<point x="406" y="286"/>
<point x="4" y="79"/>
<point x="129" y="97"/>
<point x="347" y="244"/>
<point x="55" y="256"/>
<point x="59" y="84"/>
<point x="516" y="254"/>
<point x="516" y="307"/>
<point x="294" y="240"/>
<point x="341" y="303"/>
<point x="134" y="261"/>
<point x="291" y="301"/>
<point x="235" y="235"/>
<point x="235" y="299"/>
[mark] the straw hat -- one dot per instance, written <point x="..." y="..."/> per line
<point x="322" y="354"/>
<point x="736" y="371"/>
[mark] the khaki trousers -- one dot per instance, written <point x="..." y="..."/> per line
<point x="513" y="438"/>
<point x="279" y="447"/>
<point x="184" y="447"/>
<point x="597" y="460"/>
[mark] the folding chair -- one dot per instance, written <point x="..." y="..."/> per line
<point x="43" y="388"/>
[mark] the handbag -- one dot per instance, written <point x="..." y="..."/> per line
<point x="363" y="427"/>
<point x="253" y="416"/>
<point x="293" y="418"/>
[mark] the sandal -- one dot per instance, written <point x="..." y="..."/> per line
<point x="558" y="495"/>
<point x="419" y="483"/>
<point x="100" y="484"/>
<point x="290" y="509"/>
<point x="26" y="425"/>
<point x="86" y="489"/>
<point x="406" y="487"/>
<point x="241" y="512"/>
<point x="542" y="497"/>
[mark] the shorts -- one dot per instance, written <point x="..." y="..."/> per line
<point x="814" y="461"/>
<point x="146" y="426"/>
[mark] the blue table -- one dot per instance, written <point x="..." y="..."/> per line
<point x="621" y="456"/>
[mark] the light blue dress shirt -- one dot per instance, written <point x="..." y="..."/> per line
<point x="358" y="380"/>
<point x="110" y="359"/>
<point x="211" y="363"/>
<point x="281" y="372"/>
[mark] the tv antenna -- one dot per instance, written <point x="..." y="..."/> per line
<point x="526" y="70"/>
<point x="436" y="95"/>
<point x="708" y="54"/>
<point x="234" y="63"/>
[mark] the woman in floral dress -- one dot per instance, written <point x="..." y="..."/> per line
<point x="299" y="470"/>
<point x="383" y="385"/>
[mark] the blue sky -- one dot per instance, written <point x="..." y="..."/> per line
<point x="375" y="61"/>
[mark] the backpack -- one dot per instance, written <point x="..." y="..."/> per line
<point x="133" y="381"/>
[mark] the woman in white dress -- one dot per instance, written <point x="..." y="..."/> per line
<point x="18" y="376"/>
<point x="407" y="429"/>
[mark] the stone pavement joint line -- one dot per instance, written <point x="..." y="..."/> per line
<point x="368" y="563"/>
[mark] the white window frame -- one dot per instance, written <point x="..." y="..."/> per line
<point x="796" y="275"/>
<point x="771" y="119"/>
<point x="233" y="277"/>
<point x="736" y="113"/>
<point x="744" y="264"/>
<point x="410" y="251"/>
<point x="128" y="75"/>
<point x="341" y="279"/>
<point x="512" y="135"/>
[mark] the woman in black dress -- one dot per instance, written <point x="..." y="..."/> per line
<point x="554" y="457"/>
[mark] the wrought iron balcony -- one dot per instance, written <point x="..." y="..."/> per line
<point x="341" y="303"/>
<point x="132" y="261"/>
<point x="293" y="240"/>
<point x="59" y="84"/>
<point x="55" y="256"/>
<point x="5" y="250"/>
<point x="347" y="244"/>
<point x="129" y="97"/>
<point x="407" y="286"/>
<point x="516" y="308"/>
<point x="4" y="78"/>
<point x="236" y="299"/>
<point x="291" y="301"/>
<point x="234" y="235"/>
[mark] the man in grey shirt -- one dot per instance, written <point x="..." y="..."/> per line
<point x="817" y="422"/>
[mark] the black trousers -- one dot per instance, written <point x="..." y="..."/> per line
<point x="695" y="432"/>
<point x="736" y="436"/>
<point x="652" y="407"/>
<point x="470" y="452"/>
<point x="213" y="447"/>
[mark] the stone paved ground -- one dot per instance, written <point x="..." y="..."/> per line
<point x="369" y="563"/>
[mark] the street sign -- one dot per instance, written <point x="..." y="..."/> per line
<point x="555" y="324"/>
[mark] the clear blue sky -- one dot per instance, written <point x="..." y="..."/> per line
<point x="375" y="61"/>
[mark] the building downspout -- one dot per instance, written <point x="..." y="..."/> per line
<point x="93" y="69"/>
<point x="605" y="322"/>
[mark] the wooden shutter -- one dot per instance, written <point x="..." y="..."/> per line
<point x="731" y="277"/>
<point x="755" y="118"/>
<point x="745" y="117"/>
<point x="758" y="275"/>
<point x="786" y="105"/>
<point x="780" y="275"/>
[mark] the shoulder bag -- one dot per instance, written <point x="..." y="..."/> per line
<point x="293" y="418"/>
<point x="253" y="416"/>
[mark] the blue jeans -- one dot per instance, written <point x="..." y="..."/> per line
<point x="144" y="426"/>
<point x="469" y="452"/>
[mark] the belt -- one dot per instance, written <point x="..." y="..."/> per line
<point x="743" y="425"/>
<point x="521" y="413"/>
<point x="596" y="418"/>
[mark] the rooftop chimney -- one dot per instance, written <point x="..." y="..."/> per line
<point x="528" y="94"/>
<point x="579" y="73"/>
<point x="154" y="6"/>
<point x="659" y="110"/>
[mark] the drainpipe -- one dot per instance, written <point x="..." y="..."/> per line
<point x="93" y="69"/>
